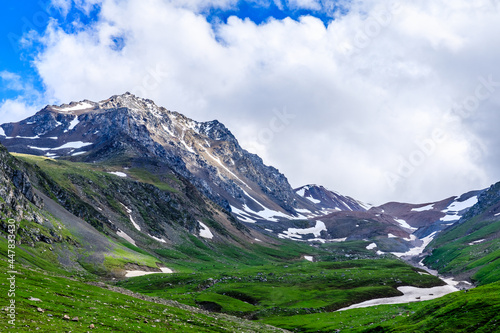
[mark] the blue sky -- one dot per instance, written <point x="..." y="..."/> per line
<point x="360" y="87"/>
<point x="21" y="19"/>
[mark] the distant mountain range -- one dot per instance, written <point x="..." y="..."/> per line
<point x="128" y="133"/>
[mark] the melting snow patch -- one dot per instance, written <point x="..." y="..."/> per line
<point x="321" y="240"/>
<point x="477" y="242"/>
<point x="380" y="252"/>
<point x="371" y="246"/>
<point x="68" y="145"/>
<point x="316" y="231"/>
<point x="271" y="215"/>
<point x="257" y="240"/>
<point x="269" y="230"/>
<point x="129" y="211"/>
<point x="309" y="258"/>
<point x="141" y="273"/>
<point x="404" y="224"/>
<point x="2" y="133"/>
<point x="391" y="236"/>
<point x="72" y="124"/>
<point x="118" y="173"/>
<point x="205" y="231"/>
<point x="125" y="236"/>
<point x="243" y="215"/>
<point x="423" y="209"/>
<point x="418" y="249"/>
<point x="411" y="294"/>
<point x="157" y="239"/>
<point x="78" y="153"/>
<point x="77" y="107"/>
<point x="459" y="206"/>
<point x="412" y="238"/>
<point x="316" y="201"/>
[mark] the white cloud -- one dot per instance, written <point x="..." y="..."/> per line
<point x="366" y="90"/>
<point x="304" y="4"/>
<point x="23" y="106"/>
<point x="12" y="110"/>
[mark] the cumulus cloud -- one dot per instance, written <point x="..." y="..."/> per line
<point x="27" y="102"/>
<point x="365" y="95"/>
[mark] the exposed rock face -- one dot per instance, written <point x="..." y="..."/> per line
<point x="15" y="190"/>
<point x="206" y="153"/>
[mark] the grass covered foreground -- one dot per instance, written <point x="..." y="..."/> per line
<point x="284" y="289"/>
<point x="48" y="301"/>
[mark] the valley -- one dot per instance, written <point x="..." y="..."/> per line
<point x="134" y="218"/>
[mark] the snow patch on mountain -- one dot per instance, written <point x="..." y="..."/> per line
<point x="404" y="224"/>
<point x="123" y="235"/>
<point x="415" y="251"/>
<point x="453" y="210"/>
<point x="118" y="173"/>
<point x="68" y="145"/>
<point x="205" y="231"/>
<point x="72" y="124"/>
<point x="423" y="209"/>
<point x="129" y="212"/>
<point x="77" y="107"/>
<point x="477" y="242"/>
<point x="157" y="239"/>
<point x="297" y="233"/>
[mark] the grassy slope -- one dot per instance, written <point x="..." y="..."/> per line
<point x="270" y="284"/>
<point x="107" y="310"/>
<point x="59" y="169"/>
<point x="477" y="310"/>
<point x="284" y="289"/>
<point x="453" y="254"/>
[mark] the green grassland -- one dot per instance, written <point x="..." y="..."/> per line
<point x="61" y="171"/>
<point x="454" y="254"/>
<point x="43" y="297"/>
<point x="477" y="310"/>
<point x="284" y="289"/>
<point x="257" y="284"/>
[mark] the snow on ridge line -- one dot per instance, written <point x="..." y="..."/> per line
<point x="205" y="231"/>
<point x="458" y="206"/>
<point x="77" y="107"/>
<point x="2" y="132"/>
<point x="423" y="209"/>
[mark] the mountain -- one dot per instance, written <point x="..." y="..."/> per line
<point x="470" y="248"/>
<point x="202" y="162"/>
<point x="133" y="132"/>
<point x="103" y="191"/>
